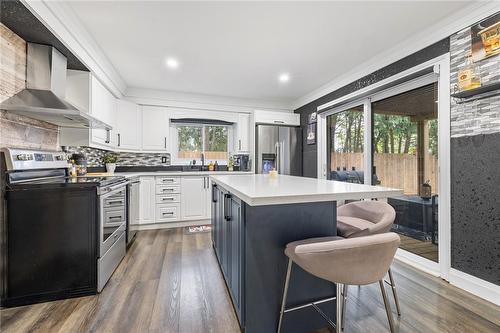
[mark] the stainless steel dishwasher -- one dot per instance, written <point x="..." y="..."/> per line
<point x="132" y="208"/>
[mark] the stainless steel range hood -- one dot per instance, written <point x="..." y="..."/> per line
<point x="44" y="95"/>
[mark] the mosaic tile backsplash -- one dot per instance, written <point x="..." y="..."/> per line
<point x="480" y="116"/>
<point x="95" y="157"/>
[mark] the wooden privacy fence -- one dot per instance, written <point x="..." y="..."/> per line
<point x="209" y="155"/>
<point x="393" y="170"/>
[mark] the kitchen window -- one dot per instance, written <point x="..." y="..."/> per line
<point x="191" y="140"/>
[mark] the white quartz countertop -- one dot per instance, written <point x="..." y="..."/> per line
<point x="179" y="173"/>
<point x="260" y="190"/>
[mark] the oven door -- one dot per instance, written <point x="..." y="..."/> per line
<point x="112" y="217"/>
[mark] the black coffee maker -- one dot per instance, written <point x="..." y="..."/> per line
<point x="242" y="162"/>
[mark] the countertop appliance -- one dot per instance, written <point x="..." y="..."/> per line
<point x="242" y="162"/>
<point x="133" y="208"/>
<point x="280" y="148"/>
<point x="59" y="239"/>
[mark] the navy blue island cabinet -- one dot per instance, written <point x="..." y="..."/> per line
<point x="249" y="243"/>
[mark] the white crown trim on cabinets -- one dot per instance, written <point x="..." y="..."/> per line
<point x="62" y="22"/>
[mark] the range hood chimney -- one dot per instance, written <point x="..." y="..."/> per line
<point x="44" y="96"/>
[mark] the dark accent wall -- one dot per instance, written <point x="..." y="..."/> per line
<point x="475" y="168"/>
<point x="309" y="152"/>
<point x="475" y="206"/>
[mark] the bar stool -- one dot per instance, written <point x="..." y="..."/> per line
<point x="352" y="261"/>
<point x="362" y="218"/>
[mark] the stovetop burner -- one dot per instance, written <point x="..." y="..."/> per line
<point x="27" y="168"/>
<point x="97" y="181"/>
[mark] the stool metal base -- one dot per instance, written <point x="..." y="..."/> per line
<point x="338" y="308"/>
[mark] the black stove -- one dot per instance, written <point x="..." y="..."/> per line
<point x="67" y="234"/>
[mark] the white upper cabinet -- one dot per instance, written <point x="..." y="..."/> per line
<point x="128" y="126"/>
<point x="86" y="93"/>
<point x="155" y="129"/>
<point x="78" y="89"/>
<point x="103" y="107"/>
<point x="277" y="118"/>
<point x="243" y="133"/>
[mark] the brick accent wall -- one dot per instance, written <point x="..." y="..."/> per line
<point x="18" y="131"/>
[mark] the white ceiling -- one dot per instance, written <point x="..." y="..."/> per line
<point x="238" y="49"/>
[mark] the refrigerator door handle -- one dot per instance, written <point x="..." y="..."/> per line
<point x="282" y="158"/>
<point x="277" y="157"/>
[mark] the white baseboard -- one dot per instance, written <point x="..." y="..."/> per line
<point x="478" y="287"/>
<point x="417" y="262"/>
<point x="168" y="225"/>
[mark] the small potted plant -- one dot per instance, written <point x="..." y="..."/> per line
<point x="110" y="161"/>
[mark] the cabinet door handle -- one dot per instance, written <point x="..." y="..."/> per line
<point x="108" y="136"/>
<point x="214" y="197"/>
<point x="165" y="143"/>
<point x="239" y="142"/>
<point x="227" y="217"/>
<point x="119" y="140"/>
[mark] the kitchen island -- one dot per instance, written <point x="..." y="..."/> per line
<point x="254" y="217"/>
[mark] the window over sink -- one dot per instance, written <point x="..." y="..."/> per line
<point x="191" y="140"/>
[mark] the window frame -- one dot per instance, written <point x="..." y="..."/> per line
<point x="174" y="139"/>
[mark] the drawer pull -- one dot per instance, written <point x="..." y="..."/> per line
<point x="168" y="189"/>
<point x="167" y="199"/>
<point x="167" y="180"/>
<point x="115" y="202"/>
<point x="168" y="213"/>
<point x="115" y="217"/>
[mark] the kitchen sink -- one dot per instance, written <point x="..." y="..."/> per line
<point x="188" y="168"/>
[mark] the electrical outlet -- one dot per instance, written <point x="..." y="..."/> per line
<point x="164" y="159"/>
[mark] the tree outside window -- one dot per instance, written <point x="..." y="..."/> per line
<point x="211" y="140"/>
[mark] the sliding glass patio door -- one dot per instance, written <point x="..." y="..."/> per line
<point x="398" y="137"/>
<point x="405" y="156"/>
<point x="346" y="135"/>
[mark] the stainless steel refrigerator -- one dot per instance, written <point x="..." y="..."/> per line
<point x="278" y="147"/>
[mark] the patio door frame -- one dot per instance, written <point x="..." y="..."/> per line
<point x="394" y="85"/>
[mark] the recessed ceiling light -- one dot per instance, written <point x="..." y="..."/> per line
<point x="172" y="63"/>
<point x="284" y="77"/>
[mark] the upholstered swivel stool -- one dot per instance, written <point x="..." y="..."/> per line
<point x="353" y="261"/>
<point x="362" y="218"/>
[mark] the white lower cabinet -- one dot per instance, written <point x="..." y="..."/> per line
<point x="147" y="192"/>
<point x="193" y="197"/>
<point x="174" y="199"/>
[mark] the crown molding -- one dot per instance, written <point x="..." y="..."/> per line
<point x="201" y="101"/>
<point x="443" y="29"/>
<point x="60" y="19"/>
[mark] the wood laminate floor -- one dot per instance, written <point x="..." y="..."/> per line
<point x="170" y="282"/>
